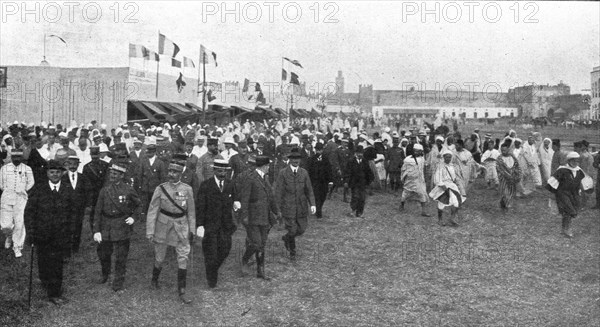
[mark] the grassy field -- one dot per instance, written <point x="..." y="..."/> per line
<point x="387" y="269"/>
<point x="384" y="269"/>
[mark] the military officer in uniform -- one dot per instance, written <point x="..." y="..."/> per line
<point x="171" y="221"/>
<point x="95" y="173"/>
<point x="117" y="205"/>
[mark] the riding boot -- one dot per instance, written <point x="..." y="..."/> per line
<point x="155" y="275"/>
<point x="260" y="266"/>
<point x="567" y="226"/>
<point x="181" y="281"/>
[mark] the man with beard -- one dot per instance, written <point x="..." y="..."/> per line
<point x="16" y="179"/>
<point x="204" y="166"/>
<point x="565" y="183"/>
<point x="446" y="191"/>
<point x="509" y="175"/>
<point x="49" y="215"/>
<point x="117" y="205"/>
<point x="321" y="177"/>
<point x="294" y="195"/>
<point x="214" y="219"/>
<point x="413" y="178"/>
<point x="171" y="221"/>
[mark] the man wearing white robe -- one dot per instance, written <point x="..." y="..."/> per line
<point x="545" y="154"/>
<point x="446" y="191"/>
<point x="412" y="176"/>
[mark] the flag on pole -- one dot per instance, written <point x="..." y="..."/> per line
<point x="187" y="62"/>
<point x="150" y="55"/>
<point x="246" y="85"/>
<point x="257" y="87"/>
<point x="283" y="75"/>
<point x="136" y="51"/>
<point x="208" y="56"/>
<point x="294" y="79"/>
<point x="175" y="63"/>
<point x="58" y="37"/>
<point x="295" y="62"/>
<point x="166" y="46"/>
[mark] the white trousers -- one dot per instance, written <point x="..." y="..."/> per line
<point x="12" y="222"/>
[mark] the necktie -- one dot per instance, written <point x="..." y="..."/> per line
<point x="295" y="173"/>
<point x="73" y="177"/>
<point x="55" y="191"/>
<point x="221" y="186"/>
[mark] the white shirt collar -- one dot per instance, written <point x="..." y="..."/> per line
<point x="53" y="185"/>
<point x="260" y="173"/>
<point x="218" y="181"/>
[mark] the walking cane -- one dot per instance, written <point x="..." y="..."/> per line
<point x="30" y="278"/>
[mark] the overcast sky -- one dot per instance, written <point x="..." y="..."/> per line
<point x="387" y="44"/>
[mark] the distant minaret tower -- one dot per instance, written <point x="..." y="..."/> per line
<point x="339" y="81"/>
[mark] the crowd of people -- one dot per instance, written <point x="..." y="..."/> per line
<point x="187" y="182"/>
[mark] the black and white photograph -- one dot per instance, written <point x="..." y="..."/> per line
<point x="299" y="163"/>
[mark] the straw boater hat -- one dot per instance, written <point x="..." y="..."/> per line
<point x="73" y="157"/>
<point x="118" y="167"/>
<point x="220" y="164"/>
<point x="16" y="153"/>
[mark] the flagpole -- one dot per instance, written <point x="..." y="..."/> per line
<point x="204" y="86"/>
<point x="198" y="81"/>
<point x="157" y="70"/>
<point x="44" y="46"/>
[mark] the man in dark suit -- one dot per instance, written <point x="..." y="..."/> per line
<point x="257" y="208"/>
<point x="306" y="153"/>
<point x="49" y="217"/>
<point x="95" y="173"/>
<point x="321" y="177"/>
<point x="78" y="184"/>
<point x="294" y="195"/>
<point x="358" y="176"/>
<point x="151" y="173"/>
<point x="213" y="217"/>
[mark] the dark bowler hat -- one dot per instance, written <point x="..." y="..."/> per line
<point x="120" y="147"/>
<point x="262" y="160"/>
<point x="212" y="141"/>
<point x="54" y="164"/>
<point x="295" y="154"/>
<point x="359" y="149"/>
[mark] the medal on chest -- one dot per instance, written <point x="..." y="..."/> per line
<point x="181" y="197"/>
<point x="122" y="199"/>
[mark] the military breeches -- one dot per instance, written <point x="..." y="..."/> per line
<point x="182" y="250"/>
<point x="295" y="226"/>
<point x="395" y="181"/>
<point x="121" y="249"/>
<point x="216" y="247"/>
